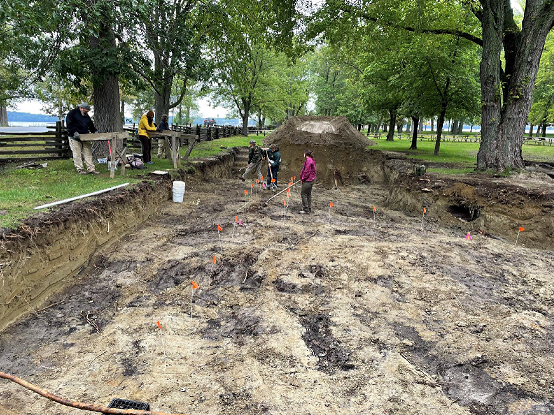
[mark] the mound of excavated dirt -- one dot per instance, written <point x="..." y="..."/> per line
<point x="335" y="143"/>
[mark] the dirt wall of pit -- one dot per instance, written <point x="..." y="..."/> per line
<point x="48" y="249"/>
<point x="476" y="203"/>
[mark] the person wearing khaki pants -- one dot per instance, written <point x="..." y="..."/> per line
<point x="82" y="149"/>
<point x="79" y="122"/>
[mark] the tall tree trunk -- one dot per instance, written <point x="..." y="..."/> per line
<point x="105" y="89"/>
<point x="440" y="123"/>
<point x="415" y="121"/>
<point x="503" y="117"/>
<point x="392" y="122"/>
<point x="244" y="113"/>
<point x="3" y="115"/>
<point x="454" y="127"/>
<point x="460" y="129"/>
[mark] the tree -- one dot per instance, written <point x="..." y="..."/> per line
<point x="506" y="90"/>
<point x="542" y="108"/>
<point x="167" y="45"/>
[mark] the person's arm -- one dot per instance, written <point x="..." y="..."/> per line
<point x="91" y="126"/>
<point x="69" y="120"/>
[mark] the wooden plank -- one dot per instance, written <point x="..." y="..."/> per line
<point x="38" y="139"/>
<point x="45" y="133"/>
<point x="56" y="151"/>
<point x="103" y="136"/>
<point x="22" y="159"/>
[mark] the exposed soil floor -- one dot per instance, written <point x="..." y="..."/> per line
<point x="329" y="313"/>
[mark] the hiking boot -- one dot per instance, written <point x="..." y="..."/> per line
<point x="81" y="172"/>
<point x="92" y="172"/>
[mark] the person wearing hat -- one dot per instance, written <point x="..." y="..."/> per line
<point x="78" y="122"/>
<point x="254" y="161"/>
<point x="146" y="124"/>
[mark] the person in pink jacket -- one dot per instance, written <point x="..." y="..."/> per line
<point x="307" y="177"/>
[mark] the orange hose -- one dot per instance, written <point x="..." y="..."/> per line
<point x="75" y="404"/>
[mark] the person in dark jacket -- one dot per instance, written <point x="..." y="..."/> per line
<point x="78" y="122"/>
<point x="254" y="161"/>
<point x="307" y="177"/>
<point x="162" y="141"/>
<point x="273" y="161"/>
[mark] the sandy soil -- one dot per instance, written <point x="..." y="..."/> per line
<point x="323" y="314"/>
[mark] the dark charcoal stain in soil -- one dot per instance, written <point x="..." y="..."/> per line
<point x="467" y="384"/>
<point x="329" y="351"/>
<point x="129" y="367"/>
<point x="236" y="325"/>
<point x="172" y="274"/>
<point x="285" y="287"/>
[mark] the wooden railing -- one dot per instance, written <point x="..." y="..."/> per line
<point x="47" y="145"/>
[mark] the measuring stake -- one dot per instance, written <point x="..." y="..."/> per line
<point x="374" y="221"/>
<point x="330" y="206"/>
<point x="521" y="229"/>
<point x="194" y="287"/>
<point x="219" y="230"/>
<point x="163" y="344"/>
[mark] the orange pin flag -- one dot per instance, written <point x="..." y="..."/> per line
<point x="194" y="287"/>
<point x="285" y="202"/>
<point x="219" y="228"/>
<point x="521" y="229"/>
<point x="215" y="259"/>
<point x="246" y="192"/>
<point x="272" y="180"/>
<point x="257" y="181"/>
<point x="236" y="218"/>
<point x="252" y="185"/>
<point x="163" y="344"/>
<point x="330" y="204"/>
<point x="374" y="220"/>
<point x="262" y="178"/>
<point x="423" y="217"/>
<point x="424" y="210"/>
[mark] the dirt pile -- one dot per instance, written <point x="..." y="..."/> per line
<point x="335" y="143"/>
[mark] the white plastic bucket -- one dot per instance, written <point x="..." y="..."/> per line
<point x="178" y="191"/>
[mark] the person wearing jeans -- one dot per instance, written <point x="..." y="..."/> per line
<point x="307" y="177"/>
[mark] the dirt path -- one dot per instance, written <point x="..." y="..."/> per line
<point x="306" y="315"/>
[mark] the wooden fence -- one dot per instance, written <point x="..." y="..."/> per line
<point x="47" y="145"/>
<point x="50" y="145"/>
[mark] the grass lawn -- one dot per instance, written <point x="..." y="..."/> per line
<point x="461" y="155"/>
<point x="21" y="190"/>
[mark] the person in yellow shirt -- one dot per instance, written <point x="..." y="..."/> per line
<point x="146" y="124"/>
